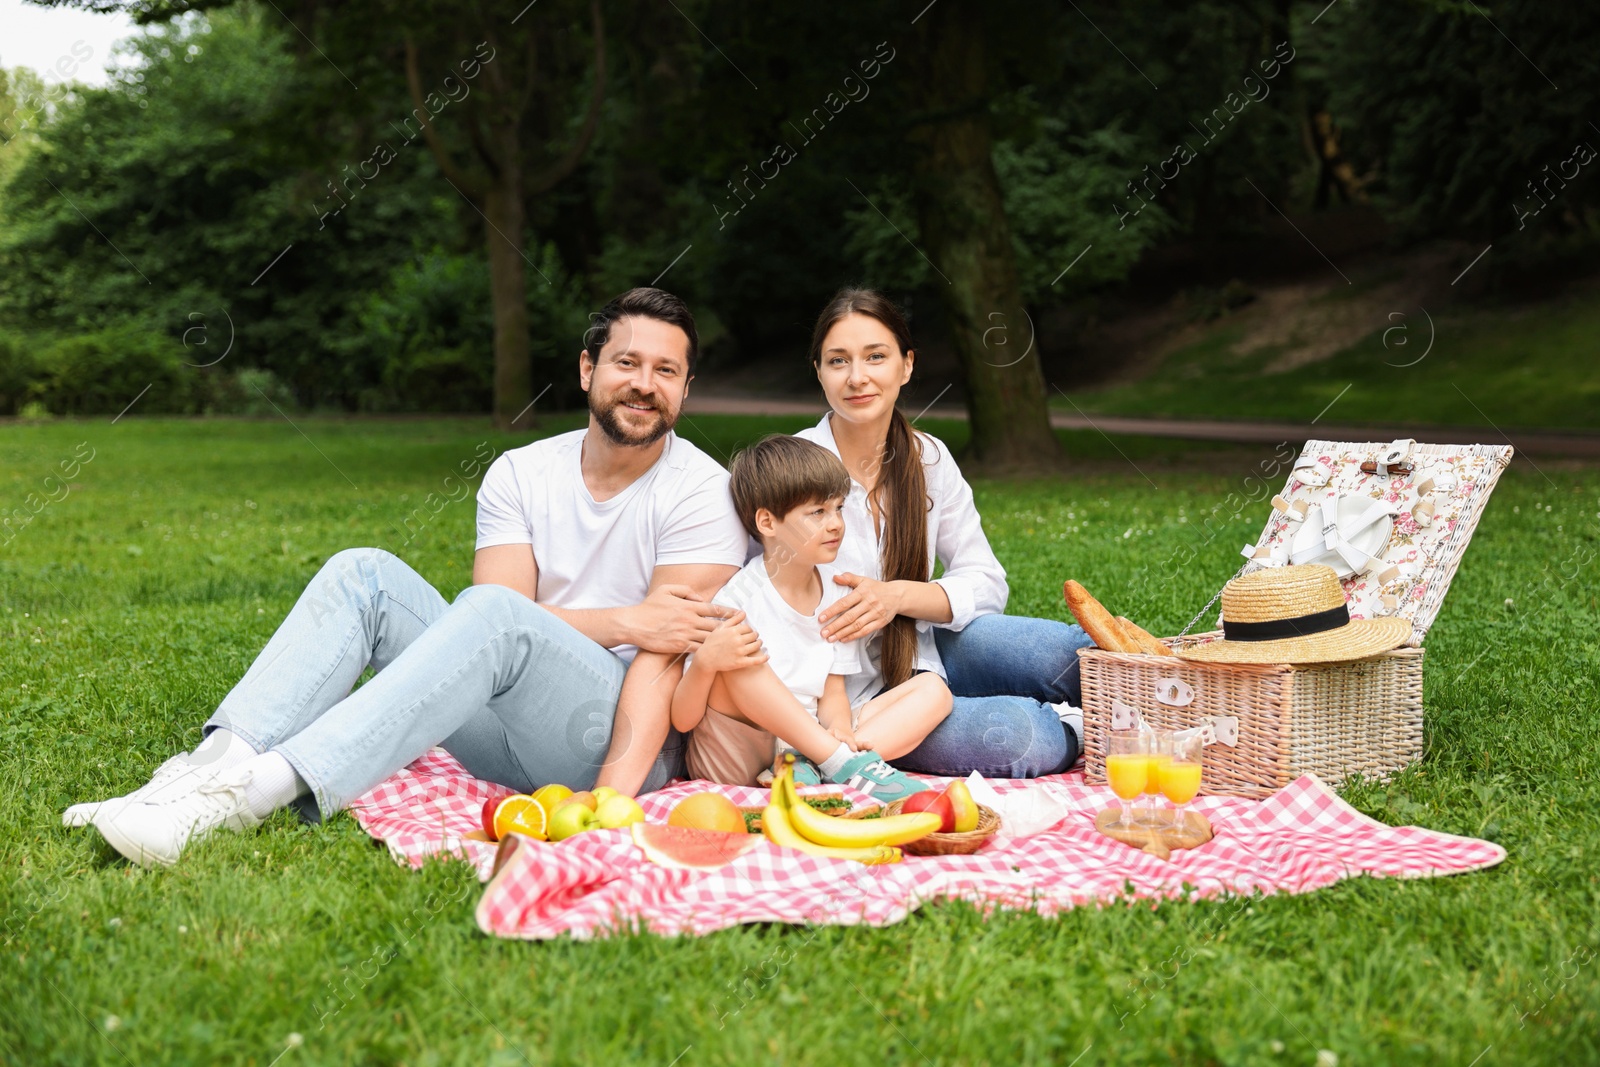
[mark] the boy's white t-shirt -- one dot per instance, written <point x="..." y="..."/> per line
<point x="600" y="554"/>
<point x="796" y="650"/>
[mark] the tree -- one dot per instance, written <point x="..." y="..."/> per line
<point x="512" y="126"/>
<point x="168" y="197"/>
<point x="1477" y="129"/>
<point x="491" y="94"/>
<point x="961" y="211"/>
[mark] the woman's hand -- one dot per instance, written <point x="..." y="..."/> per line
<point x="732" y="646"/>
<point x="863" y="611"/>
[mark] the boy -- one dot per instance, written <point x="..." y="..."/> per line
<point x="767" y="670"/>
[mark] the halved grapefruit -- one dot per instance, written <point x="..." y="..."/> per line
<point x="706" y="811"/>
<point x="682" y="846"/>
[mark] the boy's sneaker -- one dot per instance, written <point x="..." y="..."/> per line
<point x="865" y="772"/>
<point x="149" y="832"/>
<point x="805" y="772"/>
<point x="169" y="772"/>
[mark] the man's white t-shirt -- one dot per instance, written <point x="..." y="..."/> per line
<point x="600" y="554"/>
<point x="796" y="650"/>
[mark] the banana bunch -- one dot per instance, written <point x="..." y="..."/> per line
<point x="790" y="822"/>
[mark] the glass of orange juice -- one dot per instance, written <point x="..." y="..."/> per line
<point x="1158" y="753"/>
<point x="1127" y="770"/>
<point x="1179" y="778"/>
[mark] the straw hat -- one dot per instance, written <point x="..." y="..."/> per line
<point x="1294" y="615"/>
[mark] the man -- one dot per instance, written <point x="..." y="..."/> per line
<point x="598" y="552"/>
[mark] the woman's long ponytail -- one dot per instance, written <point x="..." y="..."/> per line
<point x="902" y="493"/>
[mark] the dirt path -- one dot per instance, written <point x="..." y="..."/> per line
<point x="1526" y="442"/>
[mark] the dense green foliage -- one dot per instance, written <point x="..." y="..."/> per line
<point x="1477" y="119"/>
<point x="1120" y="133"/>
<point x="133" y="605"/>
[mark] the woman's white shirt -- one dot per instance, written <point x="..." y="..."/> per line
<point x="973" y="579"/>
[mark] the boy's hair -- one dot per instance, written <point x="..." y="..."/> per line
<point x="780" y="473"/>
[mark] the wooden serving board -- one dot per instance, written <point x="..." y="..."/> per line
<point x="1159" y="843"/>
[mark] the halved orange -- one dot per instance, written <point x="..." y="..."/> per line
<point x="520" y="814"/>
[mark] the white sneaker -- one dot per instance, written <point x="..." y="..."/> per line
<point x="170" y="771"/>
<point x="157" y="831"/>
<point x="1071" y="716"/>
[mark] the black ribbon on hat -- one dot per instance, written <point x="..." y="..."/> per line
<point x="1278" y="629"/>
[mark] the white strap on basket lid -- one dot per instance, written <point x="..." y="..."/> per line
<point x="1346" y="534"/>
<point x="1311" y="473"/>
<point x="1398" y="452"/>
<point x="1277" y="554"/>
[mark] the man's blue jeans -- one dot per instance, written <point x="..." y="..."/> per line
<point x="1005" y="672"/>
<point x="516" y="694"/>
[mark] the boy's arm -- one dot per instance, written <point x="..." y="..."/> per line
<point x="833" y="709"/>
<point x="732" y="646"/>
<point x="649" y="695"/>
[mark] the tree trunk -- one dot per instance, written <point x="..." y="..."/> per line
<point x="967" y="236"/>
<point x="513" y="373"/>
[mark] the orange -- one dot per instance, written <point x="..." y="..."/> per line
<point x="707" y="811"/>
<point x="549" y="796"/>
<point x="520" y="814"/>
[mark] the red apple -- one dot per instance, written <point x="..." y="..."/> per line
<point x="938" y="803"/>
<point x="964" y="807"/>
<point x="488" y="818"/>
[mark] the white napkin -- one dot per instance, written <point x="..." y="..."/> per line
<point x="1023" y="812"/>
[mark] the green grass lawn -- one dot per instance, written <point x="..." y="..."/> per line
<point x="1532" y="366"/>
<point x="132" y="605"/>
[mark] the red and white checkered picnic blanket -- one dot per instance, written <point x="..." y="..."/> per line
<point x="1299" y="839"/>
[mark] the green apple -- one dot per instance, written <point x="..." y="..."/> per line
<point x="572" y="817"/>
<point x="617" y="811"/>
<point x="602" y="794"/>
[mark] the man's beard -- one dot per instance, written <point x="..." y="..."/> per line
<point x="604" y="411"/>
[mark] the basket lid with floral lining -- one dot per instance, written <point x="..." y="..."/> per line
<point x="1391" y="519"/>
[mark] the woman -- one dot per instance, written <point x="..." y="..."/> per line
<point x="1015" y="679"/>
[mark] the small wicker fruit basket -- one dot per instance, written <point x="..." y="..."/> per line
<point x="952" y="844"/>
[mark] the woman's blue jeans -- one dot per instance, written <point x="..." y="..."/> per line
<point x="1005" y="672"/>
<point x="516" y="694"/>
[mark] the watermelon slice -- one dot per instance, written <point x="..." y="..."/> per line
<point x="683" y="846"/>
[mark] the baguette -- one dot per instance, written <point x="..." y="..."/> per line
<point x="1096" y="621"/>
<point x="1148" y="642"/>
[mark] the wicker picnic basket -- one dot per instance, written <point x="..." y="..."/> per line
<point x="1268" y="724"/>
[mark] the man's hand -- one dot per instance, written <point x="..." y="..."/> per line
<point x="731" y="646"/>
<point x="673" y="619"/>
